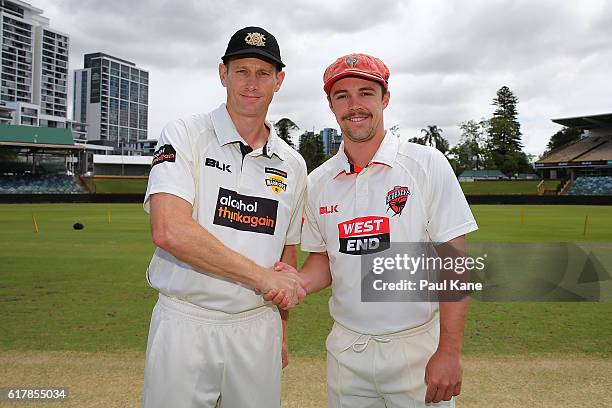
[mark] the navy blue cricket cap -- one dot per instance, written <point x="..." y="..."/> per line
<point x="253" y="42"/>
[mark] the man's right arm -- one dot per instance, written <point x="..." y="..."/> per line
<point x="315" y="272"/>
<point x="174" y="230"/>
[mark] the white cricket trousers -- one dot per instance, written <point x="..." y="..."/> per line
<point x="386" y="371"/>
<point x="205" y="358"/>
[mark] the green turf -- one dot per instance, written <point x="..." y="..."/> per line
<point x="63" y="289"/>
<point x="127" y="185"/>
<point x="478" y="187"/>
<point x="506" y="187"/>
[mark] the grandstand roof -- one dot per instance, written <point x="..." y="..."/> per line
<point x="590" y="122"/>
<point x="586" y="152"/>
<point x="39" y="137"/>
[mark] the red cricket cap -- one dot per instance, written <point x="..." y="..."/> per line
<point x="357" y="65"/>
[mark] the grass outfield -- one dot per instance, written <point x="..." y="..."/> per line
<point x="128" y="185"/>
<point x="63" y="289"/>
<point x="124" y="185"/>
<point x="506" y="187"/>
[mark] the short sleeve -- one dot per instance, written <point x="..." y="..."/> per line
<point x="449" y="214"/>
<point x="295" y="224"/>
<point x="172" y="168"/>
<point x="312" y="240"/>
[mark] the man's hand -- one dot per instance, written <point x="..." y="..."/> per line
<point x="443" y="376"/>
<point x="280" y="297"/>
<point x="287" y="288"/>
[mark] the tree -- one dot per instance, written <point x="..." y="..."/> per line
<point x="395" y="130"/>
<point x="417" y="140"/>
<point x="563" y="137"/>
<point x="283" y="129"/>
<point x="470" y="151"/>
<point x="433" y="137"/>
<point x="311" y="149"/>
<point x="504" y="135"/>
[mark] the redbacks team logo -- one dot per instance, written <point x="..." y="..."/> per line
<point x="165" y="153"/>
<point x="396" y="199"/>
<point x="245" y="213"/>
<point x="364" y="235"/>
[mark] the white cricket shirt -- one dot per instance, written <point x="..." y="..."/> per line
<point x="250" y="200"/>
<point x="407" y="193"/>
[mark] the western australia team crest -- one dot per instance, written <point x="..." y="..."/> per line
<point x="396" y="199"/>
<point x="277" y="184"/>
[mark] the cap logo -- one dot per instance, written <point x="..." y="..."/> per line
<point x="351" y="61"/>
<point x="255" y="39"/>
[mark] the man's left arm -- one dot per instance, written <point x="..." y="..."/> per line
<point x="289" y="257"/>
<point x="444" y="371"/>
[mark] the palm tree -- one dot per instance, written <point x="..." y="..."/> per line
<point x="283" y="127"/>
<point x="433" y="135"/>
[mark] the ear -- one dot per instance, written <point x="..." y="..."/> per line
<point x="385" y="100"/>
<point x="280" y="77"/>
<point x="223" y="74"/>
<point x="329" y="102"/>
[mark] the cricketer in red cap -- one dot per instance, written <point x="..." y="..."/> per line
<point x="378" y="190"/>
<point x="357" y="65"/>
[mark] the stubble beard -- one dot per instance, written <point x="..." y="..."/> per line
<point x="359" y="136"/>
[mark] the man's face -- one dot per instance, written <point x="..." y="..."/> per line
<point x="250" y="84"/>
<point x="358" y="105"/>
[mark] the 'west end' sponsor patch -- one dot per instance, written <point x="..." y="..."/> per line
<point x="165" y="153"/>
<point x="245" y="213"/>
<point x="364" y="235"/>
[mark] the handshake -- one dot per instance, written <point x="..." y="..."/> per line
<point x="283" y="286"/>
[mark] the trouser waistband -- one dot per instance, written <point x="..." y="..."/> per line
<point x="362" y="340"/>
<point x="208" y="315"/>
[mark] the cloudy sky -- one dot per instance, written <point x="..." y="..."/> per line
<point x="447" y="58"/>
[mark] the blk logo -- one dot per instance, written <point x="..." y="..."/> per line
<point x="210" y="162"/>
<point x="328" y="209"/>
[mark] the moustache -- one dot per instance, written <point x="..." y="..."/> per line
<point x="352" y="114"/>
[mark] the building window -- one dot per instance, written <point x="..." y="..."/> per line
<point x="144" y="94"/>
<point x="114" y="87"/>
<point x="83" y="117"/>
<point x="125" y="89"/>
<point x="115" y="68"/>
<point x="134" y="91"/>
<point x="124" y="113"/>
<point x="125" y="72"/>
<point x="114" y="111"/>
<point x="142" y="117"/>
<point x="134" y="115"/>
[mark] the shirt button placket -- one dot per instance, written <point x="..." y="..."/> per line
<point x="361" y="191"/>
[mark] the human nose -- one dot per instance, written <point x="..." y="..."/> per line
<point x="251" y="82"/>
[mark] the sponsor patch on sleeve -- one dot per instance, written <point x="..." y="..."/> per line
<point x="364" y="235"/>
<point x="245" y="213"/>
<point x="165" y="153"/>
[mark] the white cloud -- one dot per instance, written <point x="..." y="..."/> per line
<point x="447" y="59"/>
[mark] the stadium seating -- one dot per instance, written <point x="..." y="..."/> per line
<point x="591" y="186"/>
<point x="44" y="184"/>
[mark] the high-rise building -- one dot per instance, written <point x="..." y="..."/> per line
<point x="33" y="67"/>
<point x="111" y="96"/>
<point x="329" y="136"/>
